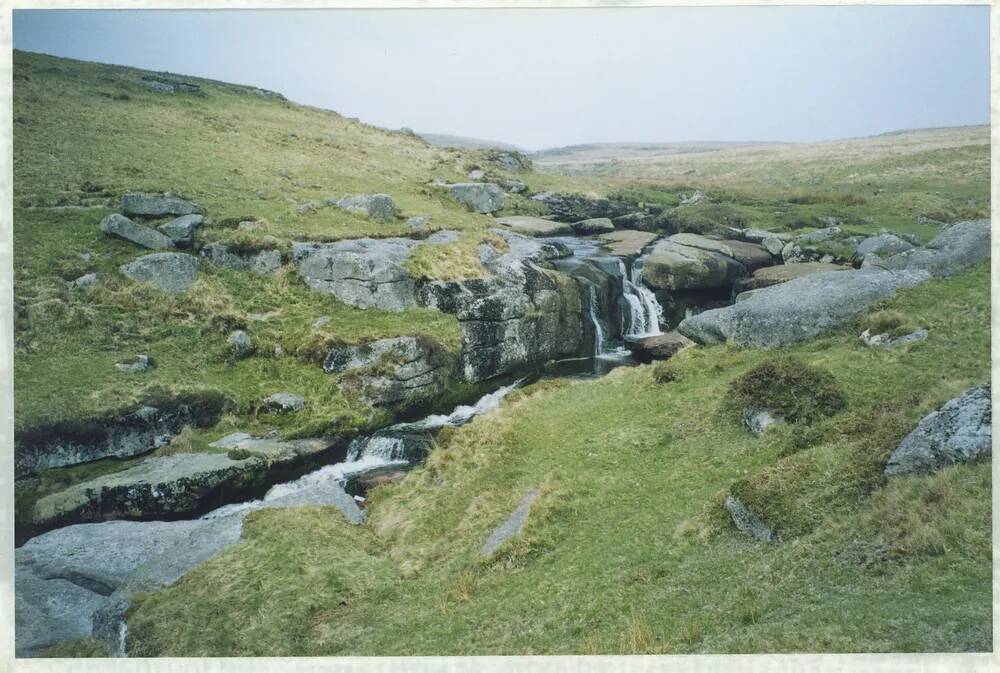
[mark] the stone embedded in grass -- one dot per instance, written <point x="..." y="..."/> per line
<point x="476" y="174"/>
<point x="139" y="363"/>
<point x="181" y="230"/>
<point x="957" y="432"/>
<point x="747" y="521"/>
<point x="759" y="420"/>
<point x="171" y="272"/>
<point x="157" y="205"/>
<point x="952" y="251"/>
<point x="627" y="243"/>
<point x="418" y="223"/>
<point x="697" y="197"/>
<point x="881" y="245"/>
<point x="513" y="186"/>
<point x="283" y="403"/>
<point x="124" y="228"/>
<point x="888" y="341"/>
<point x="87" y="280"/>
<point x="239" y="345"/>
<point x="480" y="197"/>
<point x="306" y="208"/>
<point x="595" y="225"/>
<point x="818" y="236"/>
<point x="263" y="262"/>
<point x="322" y="321"/>
<point x="378" y="207"/>
<point x="512" y="526"/>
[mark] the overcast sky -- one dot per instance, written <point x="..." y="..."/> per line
<point x="545" y="78"/>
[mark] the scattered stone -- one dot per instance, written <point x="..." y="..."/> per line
<point x="826" y="259"/>
<point x="957" y="432"/>
<point x="509" y="160"/>
<point x="379" y="207"/>
<point x="122" y="227"/>
<point x="239" y="345"/>
<point x="889" y="341"/>
<point x="86" y="280"/>
<point x="171" y="272"/>
<point x="627" y="243"/>
<point x="818" y="236"/>
<point x="747" y="521"/>
<point x="263" y="262"/>
<point x="322" y="321"/>
<point x="798" y="309"/>
<point x="657" y="347"/>
<point x="758" y="420"/>
<point x="157" y="205"/>
<point x="481" y="197"/>
<point x="263" y="317"/>
<point x="476" y="174"/>
<point x="283" y="403"/>
<point x="596" y="225"/>
<point x="181" y="230"/>
<point x="418" y="223"/>
<point x="306" y="208"/>
<point x="773" y="245"/>
<point x="513" y="186"/>
<point x="139" y="363"/>
<point x="928" y="222"/>
<point x="697" y="197"/>
<point x="512" y="526"/>
<point x="534" y="226"/>
<point x="881" y="245"/>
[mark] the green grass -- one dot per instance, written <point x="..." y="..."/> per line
<point x="628" y="549"/>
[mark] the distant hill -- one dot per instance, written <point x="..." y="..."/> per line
<point x="465" y="143"/>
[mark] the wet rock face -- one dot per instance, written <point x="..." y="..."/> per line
<point x="120" y="436"/>
<point x="402" y="370"/>
<point x="884" y="244"/>
<point x="957" y="432"/>
<point x="262" y="262"/>
<point x="171" y="272"/>
<point x="799" y="309"/>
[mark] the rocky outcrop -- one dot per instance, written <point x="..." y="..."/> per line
<point x="480" y="197"/>
<point x="181" y="230"/>
<point x="171" y="272"/>
<point x="399" y="371"/>
<point x="534" y="226"/>
<point x="952" y="251"/>
<point x="595" y="225"/>
<point x="798" y="309"/>
<point x="957" y="432"/>
<point x="379" y="207"/>
<point x="124" y="228"/>
<point x="121" y="435"/>
<point x="750" y="255"/>
<point x="263" y="262"/>
<point x="513" y="526"/>
<point x="157" y="205"/>
<point x="674" y="265"/>
<point x="576" y="207"/>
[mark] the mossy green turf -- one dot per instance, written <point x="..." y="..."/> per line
<point x="628" y="548"/>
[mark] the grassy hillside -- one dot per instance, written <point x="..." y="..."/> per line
<point x="869" y="183"/>
<point x="87" y="133"/>
<point x="628" y="549"/>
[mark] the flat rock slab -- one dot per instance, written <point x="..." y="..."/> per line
<point x="782" y="273"/>
<point x="124" y="228"/>
<point x="657" y="347"/>
<point x="512" y="526"/>
<point x="799" y="309"/>
<point x="534" y="226"/>
<point x="595" y="225"/>
<point x="957" y="432"/>
<point x="49" y="612"/>
<point x="157" y="205"/>
<point x="750" y="255"/>
<point x="171" y="272"/>
<point x="627" y="242"/>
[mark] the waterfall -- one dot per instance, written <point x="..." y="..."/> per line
<point x="645" y="313"/>
<point x="598" y="330"/>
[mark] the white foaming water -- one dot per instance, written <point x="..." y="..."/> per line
<point x="370" y="451"/>
<point x="645" y="313"/>
<point x="598" y="331"/>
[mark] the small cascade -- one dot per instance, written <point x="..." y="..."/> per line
<point x="645" y="313"/>
<point x="598" y="330"/>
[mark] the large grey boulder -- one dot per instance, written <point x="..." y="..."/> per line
<point x="534" y="226"/>
<point x="263" y="262"/>
<point x="798" y="309"/>
<point x="379" y="207"/>
<point x="171" y="272"/>
<point x="513" y="526"/>
<point x="181" y="230"/>
<point x="957" y="432"/>
<point x="952" y="251"/>
<point x="883" y="244"/>
<point x="627" y="242"/>
<point x="157" y="205"/>
<point x="750" y="255"/>
<point x="670" y="265"/>
<point x="124" y="228"/>
<point x="365" y="273"/>
<point x="595" y="225"/>
<point x="49" y="612"/>
<point x="120" y="435"/>
<point x="481" y="197"/>
<point x="401" y="370"/>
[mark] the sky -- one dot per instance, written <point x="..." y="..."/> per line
<point x="552" y="77"/>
